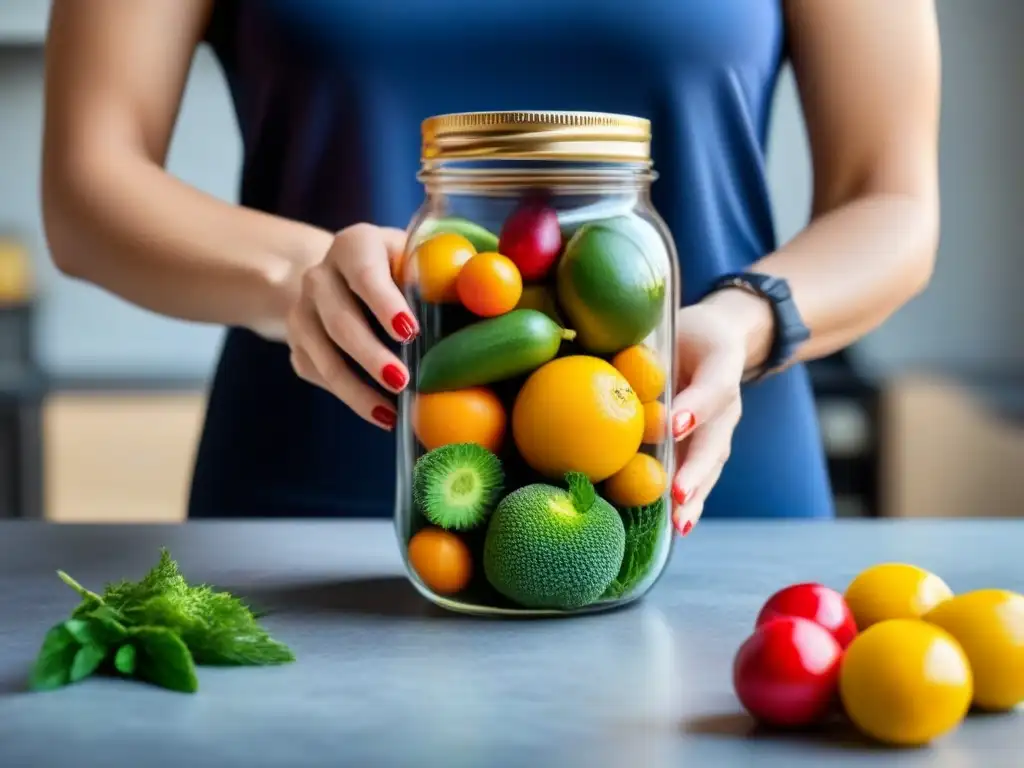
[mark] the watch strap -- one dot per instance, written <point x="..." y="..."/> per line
<point x="789" y="328"/>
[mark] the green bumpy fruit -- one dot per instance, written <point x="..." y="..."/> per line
<point x="611" y="286"/>
<point x="457" y="485"/>
<point x="548" y="548"/>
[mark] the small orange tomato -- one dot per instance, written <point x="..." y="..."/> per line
<point x="642" y="369"/>
<point x="640" y="482"/>
<point x="441" y="560"/>
<point x="490" y="285"/>
<point x="435" y="266"/>
<point x="655" y="422"/>
<point x="471" y="415"/>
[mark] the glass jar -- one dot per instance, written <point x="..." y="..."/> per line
<point x="534" y="453"/>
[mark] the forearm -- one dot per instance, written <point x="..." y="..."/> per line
<point x="849" y="270"/>
<point x="131" y="228"/>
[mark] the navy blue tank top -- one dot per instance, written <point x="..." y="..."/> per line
<point x="330" y="95"/>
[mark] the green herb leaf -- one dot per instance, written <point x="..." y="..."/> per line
<point x="581" y="490"/>
<point x="218" y="628"/>
<point x="644" y="526"/>
<point x="224" y="647"/>
<point x="124" y="660"/>
<point x="162" y="658"/>
<point x="85" y="593"/>
<point x="96" y="627"/>
<point x="52" y="668"/>
<point x="106" y="625"/>
<point x="162" y="628"/>
<point x="78" y="629"/>
<point x="87" y="660"/>
<point x="163" y="578"/>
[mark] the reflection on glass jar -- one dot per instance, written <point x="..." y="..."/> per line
<point x="534" y="454"/>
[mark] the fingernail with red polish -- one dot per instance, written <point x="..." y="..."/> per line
<point x="404" y="326"/>
<point x="687" y="528"/>
<point x="394" y="376"/>
<point x="677" y="522"/>
<point x="384" y="416"/>
<point x="678" y="495"/>
<point x="682" y="423"/>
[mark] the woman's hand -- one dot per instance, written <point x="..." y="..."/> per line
<point x="713" y="347"/>
<point x="327" y="315"/>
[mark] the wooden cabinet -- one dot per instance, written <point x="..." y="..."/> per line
<point x="952" y="450"/>
<point x="119" y="457"/>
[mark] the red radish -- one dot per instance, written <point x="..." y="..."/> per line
<point x="532" y="239"/>
<point x="786" y="674"/>
<point x="815" y="602"/>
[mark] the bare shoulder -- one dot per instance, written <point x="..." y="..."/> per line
<point x="115" y="71"/>
<point x="868" y="72"/>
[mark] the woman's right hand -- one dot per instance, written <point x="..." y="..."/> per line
<point x="327" y="316"/>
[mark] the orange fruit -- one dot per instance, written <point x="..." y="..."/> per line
<point x="639" y="483"/>
<point x="655" y="422"/>
<point x="435" y="265"/>
<point x="441" y="559"/>
<point x="472" y="415"/>
<point x="578" y="414"/>
<point x="489" y="285"/>
<point x="642" y="369"/>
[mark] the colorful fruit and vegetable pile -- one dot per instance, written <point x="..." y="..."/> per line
<point x="538" y="409"/>
<point x="899" y="654"/>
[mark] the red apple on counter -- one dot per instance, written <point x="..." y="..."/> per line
<point x="816" y="602"/>
<point x="786" y="674"/>
<point x="532" y="238"/>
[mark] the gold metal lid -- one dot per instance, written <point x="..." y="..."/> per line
<point x="540" y="135"/>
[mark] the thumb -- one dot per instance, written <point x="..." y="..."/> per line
<point x="714" y="385"/>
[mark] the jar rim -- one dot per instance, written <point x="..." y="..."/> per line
<point x="536" y="135"/>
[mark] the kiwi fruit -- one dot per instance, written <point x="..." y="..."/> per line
<point x="457" y="486"/>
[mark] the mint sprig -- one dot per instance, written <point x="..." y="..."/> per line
<point x="157" y="629"/>
<point x="581" y="491"/>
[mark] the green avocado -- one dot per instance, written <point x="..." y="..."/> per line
<point x="611" y="285"/>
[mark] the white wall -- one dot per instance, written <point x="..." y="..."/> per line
<point x="972" y="317"/>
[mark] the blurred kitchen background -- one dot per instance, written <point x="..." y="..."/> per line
<point x="101" y="403"/>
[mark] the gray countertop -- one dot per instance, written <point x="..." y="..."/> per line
<point x="384" y="679"/>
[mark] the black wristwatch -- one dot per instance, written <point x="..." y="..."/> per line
<point x="790" y="331"/>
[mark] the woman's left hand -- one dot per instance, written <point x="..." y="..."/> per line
<point x="711" y="355"/>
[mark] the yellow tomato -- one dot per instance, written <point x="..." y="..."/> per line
<point x="655" y="422"/>
<point x="435" y="265"/>
<point x="642" y="369"/>
<point x="905" y="682"/>
<point x="639" y="483"/>
<point x="894" y="591"/>
<point x="989" y="625"/>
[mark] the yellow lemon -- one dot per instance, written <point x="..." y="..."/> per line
<point x="989" y="625"/>
<point x="894" y="591"/>
<point x="905" y="682"/>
